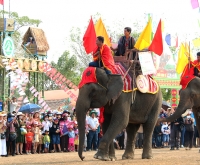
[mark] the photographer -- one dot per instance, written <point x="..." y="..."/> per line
<point x="189" y="131"/>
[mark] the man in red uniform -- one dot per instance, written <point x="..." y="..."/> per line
<point x="196" y="65"/>
<point x="102" y="57"/>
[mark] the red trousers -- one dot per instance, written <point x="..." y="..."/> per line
<point x="28" y="146"/>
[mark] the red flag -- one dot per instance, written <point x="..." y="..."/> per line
<point x="89" y="38"/>
<point x="157" y="42"/>
<point x="2" y="2"/>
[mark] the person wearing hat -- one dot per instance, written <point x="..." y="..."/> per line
<point x="3" y="151"/>
<point x="46" y="123"/>
<point x="93" y="124"/>
<point x="20" y="137"/>
<point x="29" y="137"/>
<point x="196" y="65"/>
<point x="55" y="132"/>
<point x="35" y="130"/>
<point x="58" y="115"/>
<point x="46" y="140"/>
<point x="63" y="130"/>
<point x="11" y="133"/>
<point x="36" y="117"/>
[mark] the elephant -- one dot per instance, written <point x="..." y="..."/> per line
<point x="189" y="98"/>
<point x="119" y="113"/>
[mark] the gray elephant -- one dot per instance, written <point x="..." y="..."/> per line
<point x="189" y="98"/>
<point x="119" y="113"/>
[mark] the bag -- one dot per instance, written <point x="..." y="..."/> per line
<point x="23" y="131"/>
<point x="3" y="135"/>
<point x="13" y="136"/>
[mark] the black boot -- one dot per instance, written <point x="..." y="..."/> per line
<point x="172" y="148"/>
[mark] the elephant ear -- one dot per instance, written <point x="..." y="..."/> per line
<point x="115" y="87"/>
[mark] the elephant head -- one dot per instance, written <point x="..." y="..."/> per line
<point x="96" y="95"/>
<point x="189" y="97"/>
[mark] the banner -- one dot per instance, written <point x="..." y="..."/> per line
<point x="146" y="63"/>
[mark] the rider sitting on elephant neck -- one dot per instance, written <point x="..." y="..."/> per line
<point x="196" y="65"/>
<point x="102" y="57"/>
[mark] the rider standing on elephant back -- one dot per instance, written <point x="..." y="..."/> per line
<point x="196" y="65"/>
<point x="102" y="57"/>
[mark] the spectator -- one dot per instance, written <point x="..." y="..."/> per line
<point x="63" y="132"/>
<point x="175" y="133"/>
<point x="165" y="134"/>
<point x="139" y="141"/>
<point x="29" y="139"/>
<point x="35" y="130"/>
<point x="3" y="151"/>
<point x="11" y="136"/>
<point x="93" y="124"/>
<point x="46" y="140"/>
<point x="46" y="123"/>
<point x="55" y="131"/>
<point x="71" y="135"/>
<point x="20" y="137"/>
<point x="158" y="135"/>
<point x="189" y="131"/>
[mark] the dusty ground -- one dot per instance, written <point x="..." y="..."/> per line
<point x="161" y="156"/>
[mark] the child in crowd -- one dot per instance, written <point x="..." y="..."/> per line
<point x="166" y="131"/>
<point x="29" y="139"/>
<point x="71" y="135"/>
<point x="36" y="135"/>
<point x="76" y="141"/>
<point x="40" y="138"/>
<point x="46" y="140"/>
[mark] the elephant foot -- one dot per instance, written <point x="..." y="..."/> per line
<point x="101" y="156"/>
<point x="112" y="158"/>
<point x="127" y="156"/>
<point x="147" y="156"/>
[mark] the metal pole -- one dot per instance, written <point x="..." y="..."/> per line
<point x="3" y="87"/>
<point x="9" y="8"/>
<point x="43" y="78"/>
<point x="37" y="84"/>
<point x="34" y="76"/>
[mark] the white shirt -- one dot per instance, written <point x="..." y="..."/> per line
<point x="46" y="125"/>
<point x="13" y="106"/>
<point x="165" y="129"/>
<point x="93" y="122"/>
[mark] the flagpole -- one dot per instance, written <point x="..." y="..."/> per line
<point x="189" y="56"/>
<point x="9" y="8"/>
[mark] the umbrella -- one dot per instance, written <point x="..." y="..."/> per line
<point x="165" y="105"/>
<point x="28" y="108"/>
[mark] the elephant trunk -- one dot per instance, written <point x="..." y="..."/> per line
<point x="81" y="110"/>
<point x="185" y="103"/>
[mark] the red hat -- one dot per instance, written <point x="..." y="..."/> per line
<point x="70" y="126"/>
<point x="28" y="127"/>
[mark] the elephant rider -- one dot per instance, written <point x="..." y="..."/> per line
<point x="196" y="65"/>
<point x="125" y="42"/>
<point x="102" y="57"/>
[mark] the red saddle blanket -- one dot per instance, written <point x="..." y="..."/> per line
<point x="187" y="76"/>
<point x="88" y="76"/>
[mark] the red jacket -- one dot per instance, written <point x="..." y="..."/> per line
<point x="106" y="57"/>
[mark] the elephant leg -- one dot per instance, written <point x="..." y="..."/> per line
<point x="130" y="144"/>
<point x="119" y="121"/>
<point x="111" y="151"/>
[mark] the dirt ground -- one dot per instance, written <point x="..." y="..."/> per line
<point x="161" y="156"/>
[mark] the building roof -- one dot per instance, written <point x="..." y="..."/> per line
<point x="39" y="37"/>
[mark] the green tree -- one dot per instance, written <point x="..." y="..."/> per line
<point x="166" y="93"/>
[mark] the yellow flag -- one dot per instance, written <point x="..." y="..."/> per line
<point x="196" y="42"/>
<point x="101" y="31"/>
<point x="182" y="59"/>
<point x="144" y="39"/>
